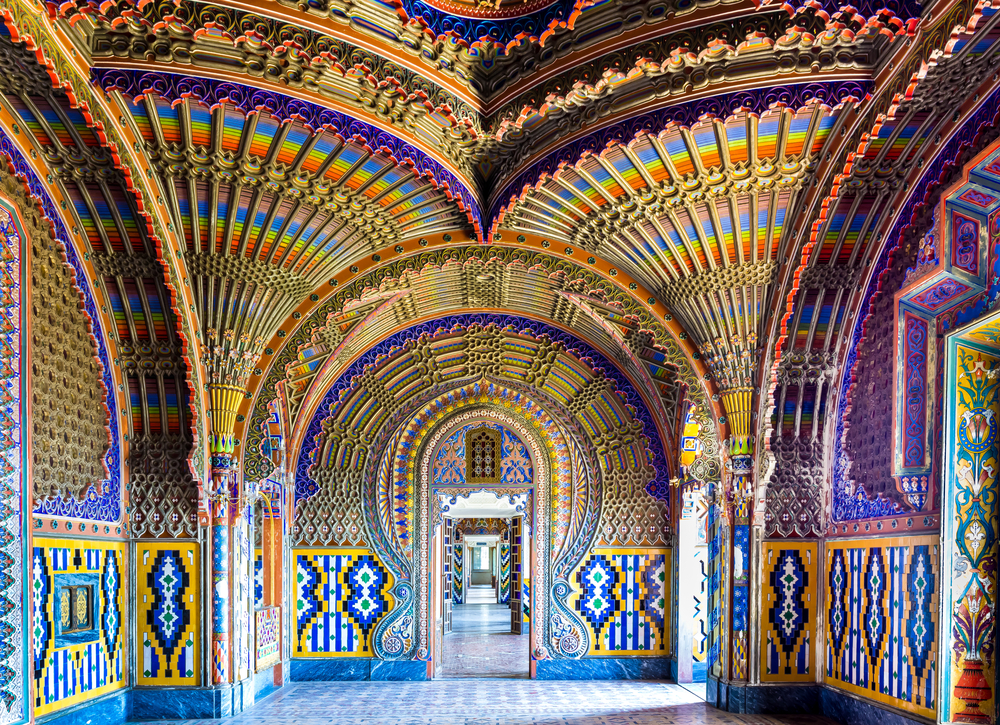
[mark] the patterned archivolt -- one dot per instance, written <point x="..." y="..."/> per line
<point x="537" y="364"/>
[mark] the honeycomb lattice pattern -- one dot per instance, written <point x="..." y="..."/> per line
<point x="70" y="435"/>
<point x="869" y="442"/>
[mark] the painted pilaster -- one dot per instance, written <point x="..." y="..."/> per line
<point x="742" y="463"/>
<point x="221" y="567"/>
<point x="971" y="505"/>
<point x="15" y="431"/>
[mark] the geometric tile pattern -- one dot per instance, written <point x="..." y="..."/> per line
<point x="520" y="572"/>
<point x="789" y="612"/>
<point x="621" y="594"/>
<point x="341" y="594"/>
<point x="458" y="583"/>
<point x="167" y="608"/>
<point x="65" y="676"/>
<point x="258" y="578"/>
<point x="881" y="614"/>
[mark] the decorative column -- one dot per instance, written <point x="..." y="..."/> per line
<point x="740" y="466"/>
<point x="222" y="475"/>
<point x="229" y="362"/>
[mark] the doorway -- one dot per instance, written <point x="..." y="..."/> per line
<point x="482" y="634"/>
<point x="692" y="580"/>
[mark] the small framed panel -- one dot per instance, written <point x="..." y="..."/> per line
<point x="482" y="455"/>
<point x="75" y="608"/>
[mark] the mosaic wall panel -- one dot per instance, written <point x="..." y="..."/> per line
<point x="519" y="575"/>
<point x="77" y="629"/>
<point x="341" y="594"/>
<point x="525" y="604"/>
<point x="718" y="565"/>
<point x="258" y="578"/>
<point x="622" y="595"/>
<point x="167" y="613"/>
<point x="788" y="613"/>
<point x="699" y="641"/>
<point x="504" y="573"/>
<point x="882" y="617"/>
<point x="268" y="628"/>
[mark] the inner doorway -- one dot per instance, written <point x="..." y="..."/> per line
<point x="485" y="563"/>
<point x="692" y="581"/>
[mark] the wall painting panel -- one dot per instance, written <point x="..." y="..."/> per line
<point x="970" y="533"/>
<point x="341" y="594"/>
<point x="622" y="595"/>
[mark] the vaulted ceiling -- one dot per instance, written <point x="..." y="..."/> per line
<point x="261" y="193"/>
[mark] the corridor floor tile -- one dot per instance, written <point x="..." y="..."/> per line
<point x="489" y="702"/>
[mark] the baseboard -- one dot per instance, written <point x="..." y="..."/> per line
<point x="784" y="699"/>
<point x="606" y="668"/>
<point x="850" y="710"/>
<point x="811" y="699"/>
<point x="191" y="703"/>
<point x="166" y="703"/>
<point x="111" y="709"/>
<point x="325" y="669"/>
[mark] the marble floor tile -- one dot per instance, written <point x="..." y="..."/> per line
<point x="489" y="702"/>
<point x="481" y="644"/>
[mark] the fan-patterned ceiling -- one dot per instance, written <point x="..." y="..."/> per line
<point x="269" y="196"/>
<point x="699" y="214"/>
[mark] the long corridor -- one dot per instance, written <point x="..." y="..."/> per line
<point x="490" y="702"/>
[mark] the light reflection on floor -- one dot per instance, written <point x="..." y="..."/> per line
<point x="481" y="644"/>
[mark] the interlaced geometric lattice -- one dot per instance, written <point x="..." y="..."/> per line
<point x="482" y="455"/>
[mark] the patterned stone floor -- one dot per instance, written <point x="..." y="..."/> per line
<point x="490" y="702"/>
<point x="481" y="644"/>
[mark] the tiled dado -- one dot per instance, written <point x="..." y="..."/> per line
<point x="814" y="700"/>
<point x="78" y="587"/>
<point x="882" y="620"/>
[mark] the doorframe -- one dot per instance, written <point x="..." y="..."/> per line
<point x="436" y="566"/>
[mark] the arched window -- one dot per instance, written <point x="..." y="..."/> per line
<point x="482" y="456"/>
